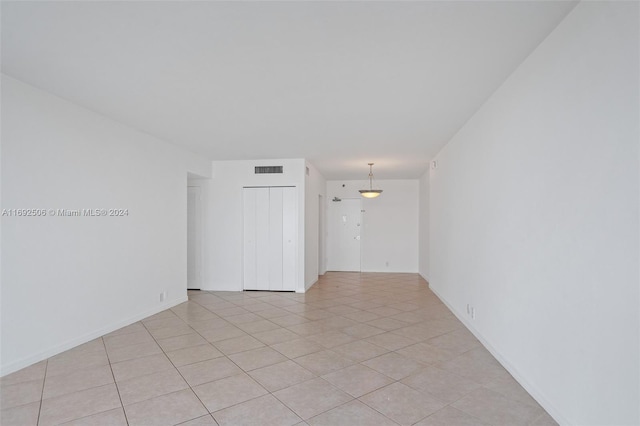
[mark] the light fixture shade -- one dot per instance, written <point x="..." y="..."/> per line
<point x="370" y="193"/>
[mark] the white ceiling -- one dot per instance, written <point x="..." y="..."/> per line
<point x="339" y="83"/>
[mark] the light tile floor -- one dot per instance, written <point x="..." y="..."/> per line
<point x="356" y="349"/>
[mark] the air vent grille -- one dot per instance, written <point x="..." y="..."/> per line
<point x="268" y="169"/>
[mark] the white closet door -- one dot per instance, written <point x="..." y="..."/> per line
<point x="275" y="238"/>
<point x="270" y="238"/>
<point x="263" y="245"/>
<point x="289" y="238"/>
<point x="249" y="246"/>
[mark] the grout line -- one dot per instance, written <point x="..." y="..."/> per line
<point x="126" y="419"/>
<point x="44" y="381"/>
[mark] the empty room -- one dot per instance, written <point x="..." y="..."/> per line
<point x="320" y="213"/>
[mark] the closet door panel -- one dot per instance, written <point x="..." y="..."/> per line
<point x="275" y="238"/>
<point x="262" y="238"/>
<point x="290" y="238"/>
<point x="249" y="234"/>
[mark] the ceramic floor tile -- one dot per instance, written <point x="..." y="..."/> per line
<point x="20" y="393"/>
<point x="95" y="345"/>
<point x="80" y="380"/>
<point x="122" y="340"/>
<point x="275" y="336"/>
<point x="23" y="415"/>
<point x="353" y="413"/>
<point x="477" y="365"/>
<point x="243" y="318"/>
<point x="402" y="404"/>
<point x="507" y="386"/>
<point x="332" y="338"/>
<point x="272" y="313"/>
<point x="132" y="328"/>
<point x="310" y="398"/>
<point x="166" y="332"/>
<point x="394" y="365"/>
<point x="316" y="314"/>
<point x="257" y="326"/>
<point x="28" y="374"/>
<point x="493" y="408"/>
<point x="140" y="366"/>
<point x="324" y="362"/>
<point x="544" y="420"/>
<point x="361" y="316"/>
<point x="133" y="352"/>
<point x="150" y="386"/>
<point x="209" y="324"/>
<point x="362" y="331"/>
<point x="170" y="409"/>
<point x="426" y="354"/>
<point x="442" y="385"/>
<point x="297" y="348"/>
<point x="289" y="320"/>
<point x="231" y="311"/>
<point x="181" y="342"/>
<point x="208" y="371"/>
<point x="167" y="320"/>
<point x="70" y="363"/>
<point x="449" y="416"/>
<point x="357" y="380"/>
<point x="309" y="328"/>
<point x="193" y="354"/>
<point x="229" y="391"/>
<point x="222" y="333"/>
<point x="201" y="421"/>
<point x="359" y="331"/>
<point x="419" y="333"/>
<point x="113" y="417"/>
<point x="263" y="411"/>
<point x="79" y="404"/>
<point x="281" y="375"/>
<point x="257" y="358"/>
<point x="238" y="344"/>
<point x="337" y="322"/>
<point x="360" y="350"/>
<point x="385" y="311"/>
<point x="456" y="341"/>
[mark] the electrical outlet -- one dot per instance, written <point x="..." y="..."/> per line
<point x="386" y="263"/>
<point x="473" y="313"/>
<point x="468" y="309"/>
<point x="163" y="296"/>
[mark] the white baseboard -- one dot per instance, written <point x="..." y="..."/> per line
<point x="69" y="344"/>
<point x="536" y="393"/>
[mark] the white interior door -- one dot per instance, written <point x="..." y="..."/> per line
<point x="345" y="224"/>
<point x="194" y="237"/>
<point x="270" y="238"/>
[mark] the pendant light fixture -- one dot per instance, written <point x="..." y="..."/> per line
<point x="370" y="193"/>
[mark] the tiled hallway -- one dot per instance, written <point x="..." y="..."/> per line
<point x="356" y="349"/>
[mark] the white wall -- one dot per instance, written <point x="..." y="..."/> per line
<point x="534" y="219"/>
<point x="223" y="261"/>
<point x="390" y="224"/>
<point x="66" y="280"/>
<point x="423" y="226"/>
<point x="315" y="189"/>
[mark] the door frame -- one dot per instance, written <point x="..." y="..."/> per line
<point x="199" y="232"/>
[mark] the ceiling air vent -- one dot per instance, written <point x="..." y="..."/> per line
<point x="268" y="169"/>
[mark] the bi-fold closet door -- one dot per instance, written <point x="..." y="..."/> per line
<point x="270" y="238"/>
